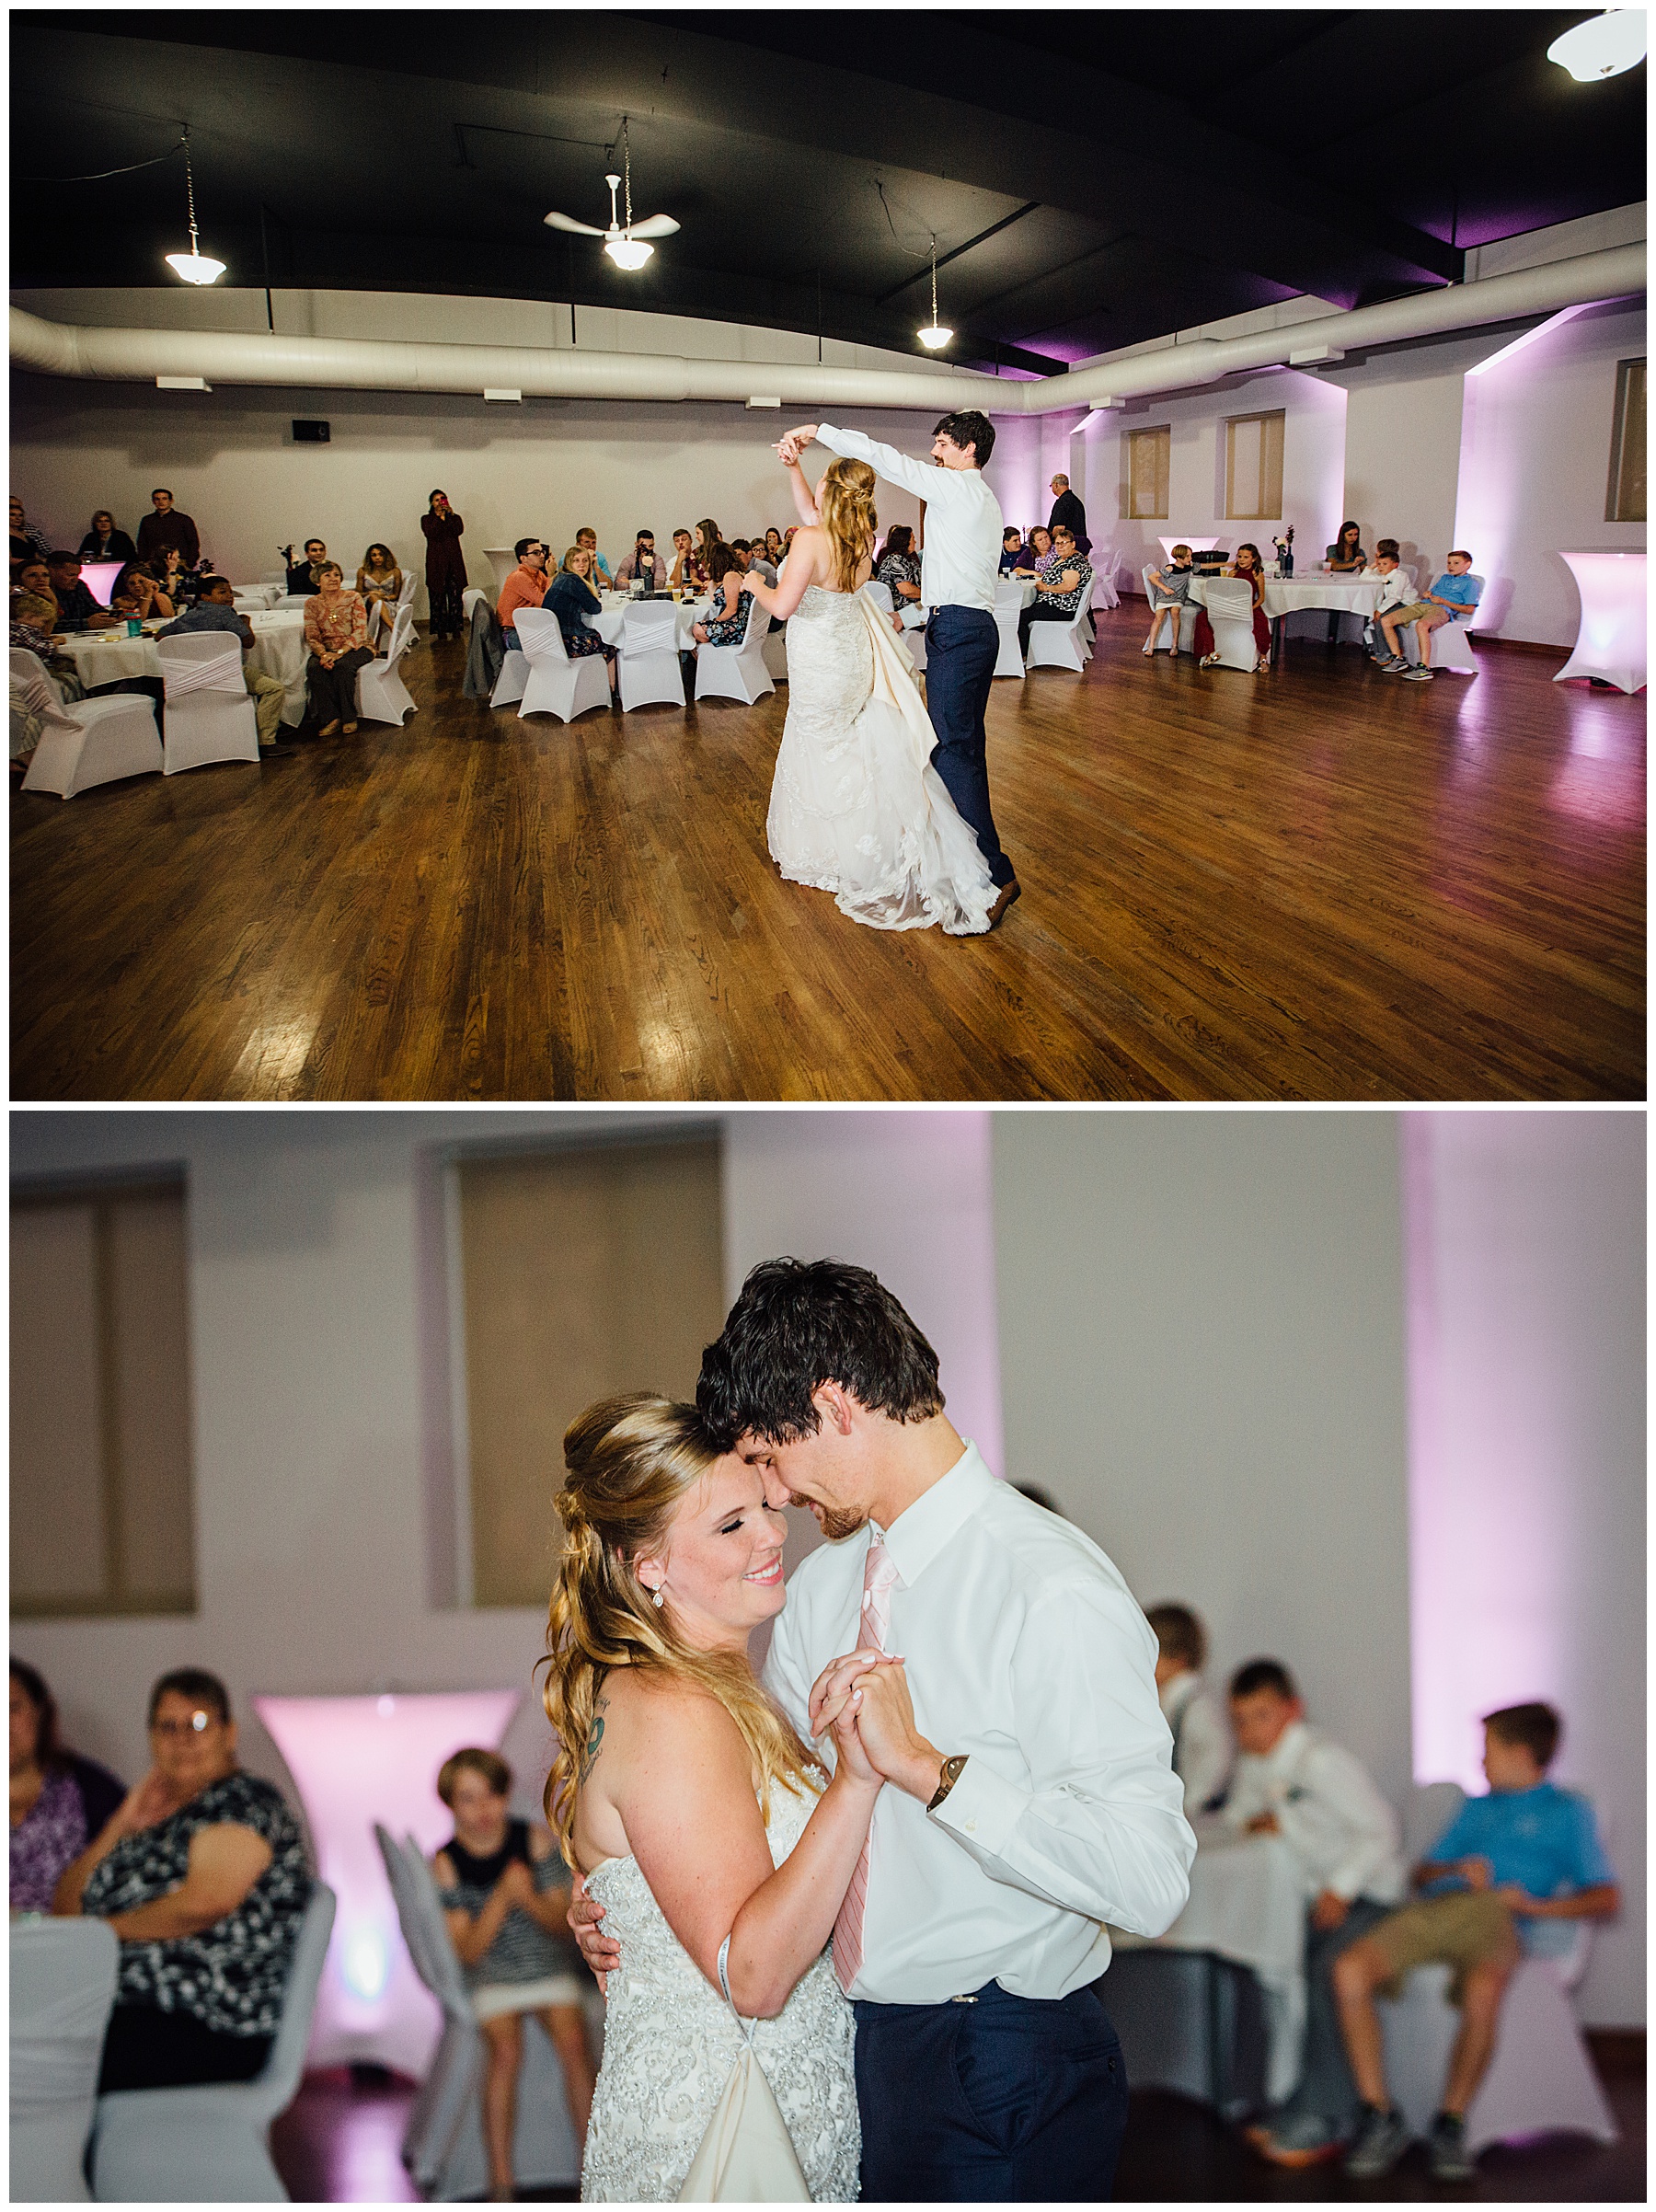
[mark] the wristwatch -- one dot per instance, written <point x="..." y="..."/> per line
<point x="953" y="1770"/>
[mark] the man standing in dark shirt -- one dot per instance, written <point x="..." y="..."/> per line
<point x="168" y="527"/>
<point x="76" y="608"/>
<point x="1067" y="509"/>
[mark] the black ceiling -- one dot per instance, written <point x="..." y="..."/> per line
<point x="1093" y="177"/>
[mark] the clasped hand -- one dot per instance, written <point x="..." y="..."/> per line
<point x="864" y="1698"/>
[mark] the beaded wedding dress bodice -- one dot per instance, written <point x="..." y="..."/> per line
<point x="670" y="2042"/>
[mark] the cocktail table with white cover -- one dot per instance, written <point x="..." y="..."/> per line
<point x="1610" y="643"/>
<point x="1012" y="595"/>
<point x="1248" y="1903"/>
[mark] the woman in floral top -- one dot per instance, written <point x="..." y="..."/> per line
<point x="201" y="1873"/>
<point x="336" y="629"/>
<point x="1062" y="584"/>
<point x="898" y="567"/>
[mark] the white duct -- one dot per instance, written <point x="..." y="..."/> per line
<point x="365" y="365"/>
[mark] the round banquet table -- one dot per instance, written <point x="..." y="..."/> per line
<point x="1292" y="594"/>
<point x="609" y="620"/>
<point x="105" y="657"/>
<point x="1610" y="643"/>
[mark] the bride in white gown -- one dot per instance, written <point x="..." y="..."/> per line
<point x="693" y="1809"/>
<point x="856" y="808"/>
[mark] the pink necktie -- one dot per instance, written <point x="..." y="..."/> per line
<point x="879" y="1575"/>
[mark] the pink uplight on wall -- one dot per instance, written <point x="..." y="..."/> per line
<point x="356" y="1761"/>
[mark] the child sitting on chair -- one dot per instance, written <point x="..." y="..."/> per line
<point x="1170" y="590"/>
<point x="1515" y="1873"/>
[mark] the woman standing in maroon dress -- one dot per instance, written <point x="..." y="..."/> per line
<point x="445" y="565"/>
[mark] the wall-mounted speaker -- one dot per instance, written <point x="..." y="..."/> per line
<point x="310" y="433"/>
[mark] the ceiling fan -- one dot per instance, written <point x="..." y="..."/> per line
<point x="623" y="241"/>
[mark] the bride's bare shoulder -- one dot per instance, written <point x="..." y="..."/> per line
<point x="650" y="1704"/>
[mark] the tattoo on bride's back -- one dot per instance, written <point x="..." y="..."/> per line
<point x="595" y="1738"/>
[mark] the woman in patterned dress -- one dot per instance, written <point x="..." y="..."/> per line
<point x="201" y="1873"/>
<point x="727" y="624"/>
<point x="58" y="1800"/>
<point x="574" y="597"/>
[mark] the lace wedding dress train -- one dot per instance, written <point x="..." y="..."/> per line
<point x="669" y="2043"/>
<point x="856" y="807"/>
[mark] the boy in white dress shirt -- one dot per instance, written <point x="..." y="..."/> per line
<point x="1293" y="1781"/>
<point x="1202" y="1740"/>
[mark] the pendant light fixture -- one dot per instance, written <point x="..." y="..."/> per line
<point x="935" y="334"/>
<point x="195" y="267"/>
<point x="626" y="251"/>
<point x="1603" y="46"/>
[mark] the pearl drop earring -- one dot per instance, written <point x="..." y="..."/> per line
<point x="659" y="1599"/>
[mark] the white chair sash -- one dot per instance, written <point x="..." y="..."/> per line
<point x="222" y="672"/>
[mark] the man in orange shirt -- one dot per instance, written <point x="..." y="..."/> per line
<point x="526" y="586"/>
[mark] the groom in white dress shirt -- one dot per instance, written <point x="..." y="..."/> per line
<point x="1033" y="1797"/>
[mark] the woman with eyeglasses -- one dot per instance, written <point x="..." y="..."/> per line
<point x="201" y="1873"/>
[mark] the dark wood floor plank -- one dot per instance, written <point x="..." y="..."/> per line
<point x="1321" y="885"/>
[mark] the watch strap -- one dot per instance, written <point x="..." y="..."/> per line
<point x="953" y="1770"/>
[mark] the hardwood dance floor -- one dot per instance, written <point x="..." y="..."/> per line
<point x="1325" y="883"/>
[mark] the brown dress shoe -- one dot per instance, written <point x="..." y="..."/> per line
<point x="1014" y="890"/>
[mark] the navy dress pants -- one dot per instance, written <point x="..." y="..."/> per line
<point x="961" y="647"/>
<point x="1000" y="2100"/>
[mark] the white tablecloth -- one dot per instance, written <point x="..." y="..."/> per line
<point x="1342" y="595"/>
<point x="104" y="657"/>
<point x="608" y="623"/>
<point x="1247" y="1904"/>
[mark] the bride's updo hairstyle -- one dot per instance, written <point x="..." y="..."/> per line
<point x="845" y="500"/>
<point x="629" y="1462"/>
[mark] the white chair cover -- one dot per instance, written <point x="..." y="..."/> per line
<point x="1106" y="561"/>
<point x="1008" y="606"/>
<point x="648" y="665"/>
<point x="208" y="714"/>
<point x="63" y="1985"/>
<point x="93" y="741"/>
<point x="555" y="683"/>
<point x="1172" y="636"/>
<point x="382" y="696"/>
<point x="1062" y="644"/>
<point x="1451" y="644"/>
<point x="880" y="593"/>
<point x="775" y="652"/>
<point x="1230" y="610"/>
<point x="210" y="2143"/>
<point x="737" y="671"/>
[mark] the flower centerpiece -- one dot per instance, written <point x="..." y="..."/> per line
<point x="1284" y="552"/>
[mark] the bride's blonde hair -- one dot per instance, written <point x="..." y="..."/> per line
<point x="845" y="500"/>
<point x="630" y="1460"/>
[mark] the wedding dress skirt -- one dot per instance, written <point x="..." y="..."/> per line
<point x="856" y="807"/>
<point x="669" y="2043"/>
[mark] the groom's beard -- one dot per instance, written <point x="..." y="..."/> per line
<point x="835" y="1522"/>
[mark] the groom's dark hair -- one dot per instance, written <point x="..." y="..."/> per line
<point x="969" y="428"/>
<point x="799" y="1323"/>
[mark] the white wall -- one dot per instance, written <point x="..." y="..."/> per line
<point x="1402" y="452"/>
<point x="1201" y="1344"/>
<point x="1527" y="1305"/>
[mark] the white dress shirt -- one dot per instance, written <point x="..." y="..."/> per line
<point x="1026" y="1652"/>
<point x="959" y="564"/>
<point x="1202" y="1739"/>
<point x="1333" y="1819"/>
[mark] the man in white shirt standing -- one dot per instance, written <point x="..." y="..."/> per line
<point x="959" y="565"/>
<point x="1293" y="1781"/>
<point x="1031" y="1798"/>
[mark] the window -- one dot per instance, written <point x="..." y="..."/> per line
<point x="585" y="1272"/>
<point x="1253" y="467"/>
<point x="1626" y="499"/>
<point x="102" y="1510"/>
<point x="1149" y="455"/>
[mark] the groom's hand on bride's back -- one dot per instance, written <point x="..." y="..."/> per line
<point x="600" y="1954"/>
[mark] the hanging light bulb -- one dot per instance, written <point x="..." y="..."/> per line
<point x="195" y="267"/>
<point x="935" y="334"/>
<point x="626" y="252"/>
<point x="1601" y="47"/>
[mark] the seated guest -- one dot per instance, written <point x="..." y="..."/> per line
<point x="759" y="561"/>
<point x="774" y="550"/>
<point x="572" y="599"/>
<point x="526" y="586"/>
<point x="103" y="541"/>
<point x="1170" y="590"/>
<point x="505" y="1896"/>
<point x="1399" y="591"/>
<point x="302" y="574"/>
<point x="588" y="537"/>
<point x="28" y="540"/>
<point x="1062" y="584"/>
<point x="727" y="620"/>
<point x="1011" y="548"/>
<point x="336" y="629"/>
<point x="1251" y="570"/>
<point x="898" y="567"/>
<point x="643" y="564"/>
<point x="1516" y="1871"/>
<point x="165" y="527"/>
<point x="1037" y="548"/>
<point x="76" y="608"/>
<point x="137" y="592"/>
<point x="687" y="573"/>
<point x="201" y="1873"/>
<point x="1453" y="593"/>
<point x="215" y="610"/>
<point x="1291" y="1781"/>
<point x="1202" y="1744"/>
<point x="33" y="619"/>
<point x="33" y="580"/>
<point x="707" y="535"/>
<point x="380" y="581"/>
<point x="1346" y="557"/>
<point x="59" y="1801"/>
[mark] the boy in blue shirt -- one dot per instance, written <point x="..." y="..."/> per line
<point x="1512" y="1874"/>
<point x="1452" y="594"/>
